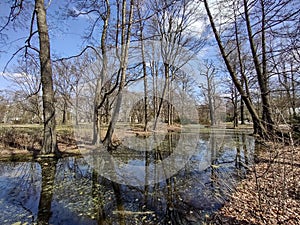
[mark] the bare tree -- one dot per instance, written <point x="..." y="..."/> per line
<point x="141" y="19"/>
<point x="209" y="89"/>
<point x="66" y="81"/>
<point x="100" y="80"/>
<point x="260" y="63"/>
<point x="126" y="25"/>
<point x="251" y="23"/>
<point x="27" y="85"/>
<point x="20" y="11"/>
<point x="49" y="140"/>
<point x="259" y="127"/>
<point x="172" y="26"/>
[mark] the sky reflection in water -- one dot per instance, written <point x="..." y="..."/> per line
<point x="72" y="192"/>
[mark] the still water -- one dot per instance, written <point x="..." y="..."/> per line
<point x="72" y="190"/>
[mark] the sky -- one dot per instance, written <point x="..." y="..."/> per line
<point x="65" y="42"/>
<point x="65" y="36"/>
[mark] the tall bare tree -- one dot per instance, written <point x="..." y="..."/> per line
<point x="142" y="21"/>
<point x="100" y="80"/>
<point x="259" y="127"/>
<point x="20" y="11"/>
<point x="260" y="63"/>
<point x="209" y="89"/>
<point x="249" y="30"/>
<point x="172" y="27"/>
<point x="126" y="25"/>
<point x="49" y="140"/>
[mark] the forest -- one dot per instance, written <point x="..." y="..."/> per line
<point x="96" y="72"/>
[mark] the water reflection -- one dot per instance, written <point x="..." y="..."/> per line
<point x="48" y="167"/>
<point x="138" y="167"/>
<point x="70" y="191"/>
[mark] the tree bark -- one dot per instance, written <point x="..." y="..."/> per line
<point x="162" y="99"/>
<point x="258" y="126"/>
<point x="235" y="109"/>
<point x="97" y="100"/>
<point x="261" y="73"/>
<point x="210" y="96"/>
<point x="125" y="41"/>
<point x="141" y="28"/>
<point x="49" y="139"/>
<point x="242" y="114"/>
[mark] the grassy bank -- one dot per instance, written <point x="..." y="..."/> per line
<point x="26" y="140"/>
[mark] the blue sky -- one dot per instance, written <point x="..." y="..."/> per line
<point x="65" y="37"/>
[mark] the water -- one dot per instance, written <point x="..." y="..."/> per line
<point x="73" y="191"/>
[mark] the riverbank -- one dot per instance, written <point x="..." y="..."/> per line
<point x="25" y="141"/>
<point x="271" y="192"/>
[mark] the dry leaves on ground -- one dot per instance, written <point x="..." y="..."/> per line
<point x="271" y="192"/>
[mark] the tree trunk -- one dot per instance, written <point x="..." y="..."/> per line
<point x="145" y="97"/>
<point x="293" y="102"/>
<point x="154" y="71"/>
<point x="258" y="126"/>
<point x="76" y="108"/>
<point x="243" y="79"/>
<point x="125" y="41"/>
<point x="235" y="109"/>
<point x="242" y="112"/>
<point x="49" y="140"/>
<point x="97" y="100"/>
<point x="65" y="110"/>
<point x="145" y="75"/>
<point x="211" y="101"/>
<point x="261" y="73"/>
<point x="167" y="74"/>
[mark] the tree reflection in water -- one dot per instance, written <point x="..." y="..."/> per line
<point x="48" y="166"/>
<point x="70" y="191"/>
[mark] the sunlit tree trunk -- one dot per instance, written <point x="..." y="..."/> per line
<point x="293" y="102"/>
<point x="154" y="72"/>
<point x="164" y="92"/>
<point x="258" y="126"/>
<point x="98" y="99"/>
<point x="49" y="140"/>
<point x="141" y="29"/>
<point x="125" y="42"/>
<point x="261" y="67"/>
<point x="145" y="95"/>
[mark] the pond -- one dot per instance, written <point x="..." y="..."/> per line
<point x="76" y="190"/>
